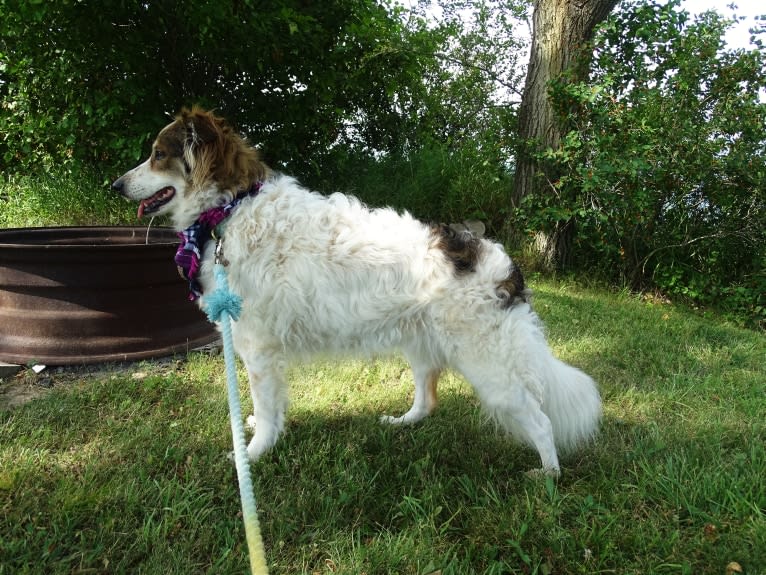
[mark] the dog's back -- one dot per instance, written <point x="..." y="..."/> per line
<point x="326" y="274"/>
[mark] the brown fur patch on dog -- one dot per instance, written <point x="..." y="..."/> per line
<point x="215" y="151"/>
<point x="512" y="289"/>
<point x="461" y="248"/>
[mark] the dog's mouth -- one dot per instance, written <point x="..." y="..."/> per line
<point x="153" y="203"/>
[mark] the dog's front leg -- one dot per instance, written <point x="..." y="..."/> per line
<point x="265" y="371"/>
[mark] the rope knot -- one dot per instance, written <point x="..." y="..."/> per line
<point x="222" y="299"/>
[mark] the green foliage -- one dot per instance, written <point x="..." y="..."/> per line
<point x="350" y="95"/>
<point x="92" y="82"/>
<point x="124" y="470"/>
<point x="435" y="183"/>
<point x="342" y="94"/>
<point x="665" y="169"/>
<point x="474" y="84"/>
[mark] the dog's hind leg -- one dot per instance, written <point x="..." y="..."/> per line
<point x="512" y="402"/>
<point x="523" y="416"/>
<point x="426" y="376"/>
<point x="265" y="371"/>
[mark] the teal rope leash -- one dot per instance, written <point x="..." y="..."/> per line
<point x="223" y="306"/>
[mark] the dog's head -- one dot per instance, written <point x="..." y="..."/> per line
<point x="197" y="162"/>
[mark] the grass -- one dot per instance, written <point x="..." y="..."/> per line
<point x="62" y="198"/>
<point x="124" y="471"/>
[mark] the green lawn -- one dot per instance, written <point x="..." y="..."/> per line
<point x="125" y="472"/>
<point x="58" y="198"/>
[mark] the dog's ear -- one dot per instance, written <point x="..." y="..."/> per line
<point x="213" y="149"/>
<point x="201" y="127"/>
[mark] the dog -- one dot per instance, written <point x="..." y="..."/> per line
<point x="325" y="274"/>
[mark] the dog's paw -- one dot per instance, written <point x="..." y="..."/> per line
<point x="258" y="446"/>
<point x="250" y="422"/>
<point x="412" y="417"/>
<point x="231" y="457"/>
<point x="391" y="420"/>
<point x="543" y="472"/>
<point x="254" y="453"/>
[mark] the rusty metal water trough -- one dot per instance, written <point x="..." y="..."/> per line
<point x="94" y="294"/>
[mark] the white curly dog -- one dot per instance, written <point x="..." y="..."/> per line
<point x="326" y="274"/>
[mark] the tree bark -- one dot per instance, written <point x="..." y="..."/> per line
<point x="561" y="34"/>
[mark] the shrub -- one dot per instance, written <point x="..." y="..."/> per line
<point x="665" y="163"/>
<point x="434" y="183"/>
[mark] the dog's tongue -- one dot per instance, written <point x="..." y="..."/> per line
<point x="142" y="206"/>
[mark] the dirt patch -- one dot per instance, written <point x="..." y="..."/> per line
<point x="14" y="393"/>
<point x="26" y="385"/>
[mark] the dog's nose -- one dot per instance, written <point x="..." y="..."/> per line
<point x="119" y="186"/>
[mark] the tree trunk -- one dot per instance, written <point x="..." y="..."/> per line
<point x="561" y="34"/>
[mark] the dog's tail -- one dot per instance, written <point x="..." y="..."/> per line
<point x="572" y="403"/>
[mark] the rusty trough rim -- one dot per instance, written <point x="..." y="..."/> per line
<point x="154" y="235"/>
<point x="94" y="316"/>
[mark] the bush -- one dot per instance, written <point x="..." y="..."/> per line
<point x="435" y="183"/>
<point x="665" y="163"/>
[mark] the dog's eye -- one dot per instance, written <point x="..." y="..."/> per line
<point x="159" y="155"/>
